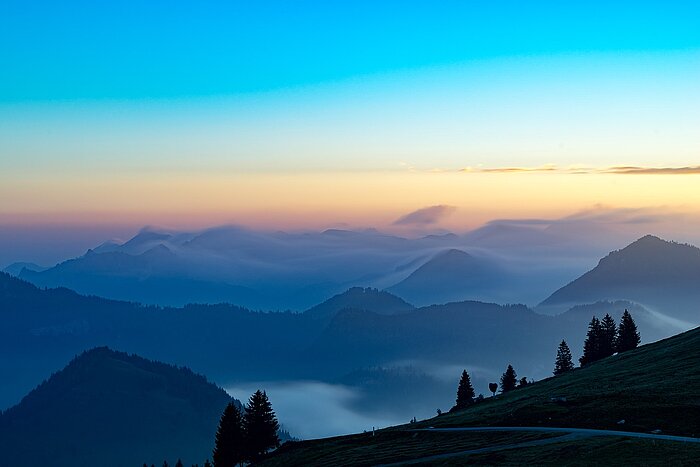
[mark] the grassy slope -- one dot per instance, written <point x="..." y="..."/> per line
<point x="653" y="387"/>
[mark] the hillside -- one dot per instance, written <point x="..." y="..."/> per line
<point x="651" y="388"/>
<point x="359" y="298"/>
<point x="109" y="408"/>
<point x="450" y="276"/>
<point x="656" y="273"/>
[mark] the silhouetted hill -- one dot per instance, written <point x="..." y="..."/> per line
<point x="109" y="408"/>
<point x="359" y="298"/>
<point x="451" y="275"/>
<point x="656" y="273"/>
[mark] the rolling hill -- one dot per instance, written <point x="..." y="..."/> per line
<point x="658" y="274"/>
<point x="113" y="409"/>
<point x="359" y="298"/>
<point x="650" y="389"/>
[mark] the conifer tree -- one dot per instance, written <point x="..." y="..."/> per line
<point x="465" y="391"/>
<point x="523" y="382"/>
<point x="179" y="463"/>
<point x="608" y="334"/>
<point x="509" y="379"/>
<point x="260" y="425"/>
<point x="207" y="463"/>
<point x="591" y="346"/>
<point x="564" y="361"/>
<point x="628" y="337"/>
<point x="229" y="441"/>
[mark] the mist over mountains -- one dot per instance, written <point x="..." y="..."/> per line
<point x="358" y="342"/>
<point x="504" y="262"/>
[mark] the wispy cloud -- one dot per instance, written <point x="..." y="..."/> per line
<point x="616" y="170"/>
<point x="654" y="170"/>
<point x="425" y="216"/>
<point x="544" y="168"/>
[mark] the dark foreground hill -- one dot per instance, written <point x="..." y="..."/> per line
<point x="109" y="408"/>
<point x="650" y="389"/>
<point x="658" y="274"/>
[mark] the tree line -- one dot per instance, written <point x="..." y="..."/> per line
<point x="246" y="436"/>
<point x="603" y="339"/>
<point x="243" y="436"/>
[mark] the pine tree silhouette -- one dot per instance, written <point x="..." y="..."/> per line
<point x="465" y="391"/>
<point x="229" y="441"/>
<point x="261" y="426"/>
<point x="564" y="361"/>
<point x="179" y="463"/>
<point x="628" y="337"/>
<point x="523" y="382"/>
<point x="591" y="346"/>
<point x="207" y="463"/>
<point x="509" y="379"/>
<point x="608" y="334"/>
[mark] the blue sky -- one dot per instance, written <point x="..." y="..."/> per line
<point x="309" y="114"/>
<point x="143" y="50"/>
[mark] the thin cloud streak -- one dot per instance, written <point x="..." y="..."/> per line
<point x="655" y="170"/>
<point x="616" y="170"/>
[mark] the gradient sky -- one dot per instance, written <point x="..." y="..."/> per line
<point x="311" y="114"/>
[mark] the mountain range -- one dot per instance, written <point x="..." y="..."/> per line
<point x="279" y="270"/>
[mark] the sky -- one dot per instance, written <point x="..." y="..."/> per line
<point x="317" y="114"/>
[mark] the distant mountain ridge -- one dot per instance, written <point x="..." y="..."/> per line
<point x="650" y="271"/>
<point x="360" y="298"/>
<point x="449" y="276"/>
<point x="109" y="408"/>
<point x="274" y="270"/>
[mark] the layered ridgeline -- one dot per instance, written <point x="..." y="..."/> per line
<point x="279" y="270"/>
<point x="109" y="408"/>
<point x="260" y="270"/>
<point x="661" y="275"/>
<point x="44" y="328"/>
<point x="650" y="389"/>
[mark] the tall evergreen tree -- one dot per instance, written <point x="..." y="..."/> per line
<point x="608" y="334"/>
<point x="509" y="379"/>
<point x="465" y="391"/>
<point x="564" y="361"/>
<point x="179" y="463"/>
<point x="628" y="337"/>
<point x="591" y="346"/>
<point x="229" y="441"/>
<point x="261" y="426"/>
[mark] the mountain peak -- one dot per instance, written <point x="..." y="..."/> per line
<point x="651" y="271"/>
<point x="359" y="298"/>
